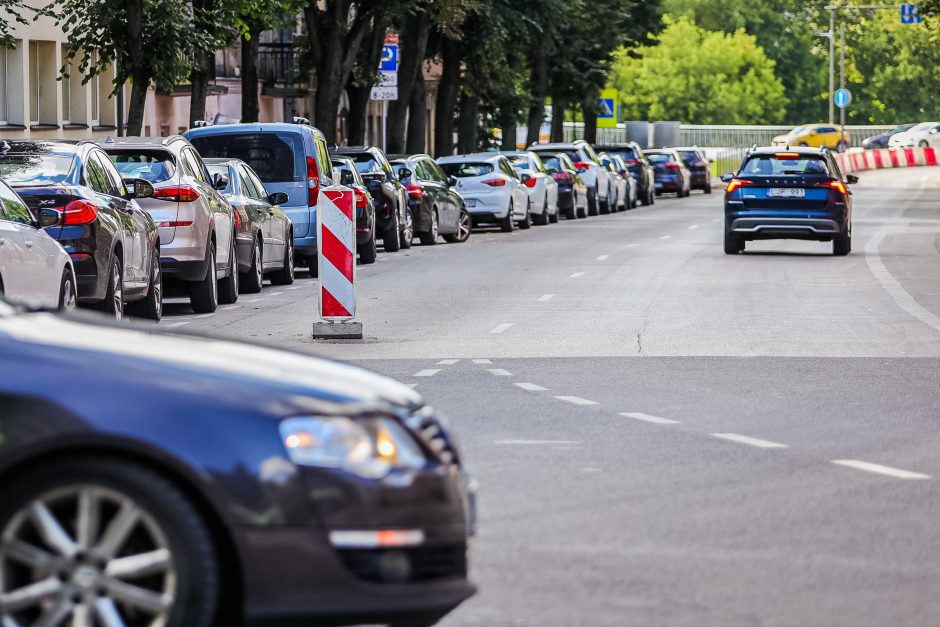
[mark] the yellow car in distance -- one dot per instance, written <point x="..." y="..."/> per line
<point x="815" y="136"/>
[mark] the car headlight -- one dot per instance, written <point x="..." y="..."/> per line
<point x="369" y="448"/>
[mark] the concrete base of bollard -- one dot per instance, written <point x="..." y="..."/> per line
<point x="337" y="330"/>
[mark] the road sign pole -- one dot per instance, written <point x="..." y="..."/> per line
<point x="842" y="78"/>
<point x="384" y="125"/>
<point x="832" y="65"/>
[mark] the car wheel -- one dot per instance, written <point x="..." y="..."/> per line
<point x="924" y="144"/>
<point x="526" y="221"/>
<point x="113" y="303"/>
<point x="68" y="295"/>
<point x="228" y="287"/>
<point x="605" y="205"/>
<point x="253" y="279"/>
<point x="429" y="238"/>
<point x="391" y="237"/>
<point x="285" y="276"/>
<point x="592" y="203"/>
<point x="408" y="231"/>
<point x="151" y="307"/>
<point x="733" y="244"/>
<point x="105" y="538"/>
<point x="368" y="251"/>
<point x="542" y="218"/>
<point x="842" y="244"/>
<point x="553" y="217"/>
<point x="507" y="224"/>
<point x="572" y="212"/>
<point x="652" y="196"/>
<point x="708" y="188"/>
<point x="204" y="295"/>
<point x="464" y="225"/>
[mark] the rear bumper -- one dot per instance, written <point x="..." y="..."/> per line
<point x="482" y="208"/>
<point x="184" y="270"/>
<point x="775" y="227"/>
<point x="305" y="246"/>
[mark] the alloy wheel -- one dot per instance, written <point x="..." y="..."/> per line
<point x="463" y="227"/>
<point x="259" y="263"/>
<point x="158" y="287"/>
<point x="117" y="285"/>
<point x="69" y="296"/>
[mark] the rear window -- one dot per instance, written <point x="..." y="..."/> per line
<point x="658" y="157"/>
<point x="552" y="163"/>
<point x="689" y="156"/>
<point x="35" y="169"/>
<point x="572" y="154"/>
<point x="626" y="153"/>
<point x="365" y="162"/>
<point x="275" y="157"/>
<point x="462" y="170"/>
<point x="519" y="163"/>
<point x="783" y="163"/>
<point x="155" y="166"/>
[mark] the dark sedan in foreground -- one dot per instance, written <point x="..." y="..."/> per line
<point x="187" y="482"/>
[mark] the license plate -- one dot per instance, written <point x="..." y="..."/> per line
<point x="658" y="184"/>
<point x="787" y="192"/>
<point x="471" y="202"/>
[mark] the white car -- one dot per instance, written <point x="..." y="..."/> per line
<point x="493" y="191"/>
<point x="629" y="200"/>
<point x="542" y="188"/>
<point x="34" y="268"/>
<point x="622" y="193"/>
<point x="921" y="135"/>
<point x="588" y="164"/>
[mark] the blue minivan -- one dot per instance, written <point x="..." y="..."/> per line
<point x="289" y="158"/>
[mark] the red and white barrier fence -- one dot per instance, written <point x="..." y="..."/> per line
<point x="857" y="161"/>
<point x="336" y="264"/>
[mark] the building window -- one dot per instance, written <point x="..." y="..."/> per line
<point x="3" y="85"/>
<point x="95" y="85"/>
<point x="32" y="61"/>
<point x="42" y="72"/>
<point x="66" y="87"/>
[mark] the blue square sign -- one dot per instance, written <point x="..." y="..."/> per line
<point x="910" y="14"/>
<point x="606" y="108"/>
<point x="389" y="62"/>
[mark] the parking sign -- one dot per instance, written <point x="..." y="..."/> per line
<point x="389" y="62"/>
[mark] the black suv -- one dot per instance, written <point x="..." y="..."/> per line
<point x="639" y="167"/>
<point x="393" y="218"/>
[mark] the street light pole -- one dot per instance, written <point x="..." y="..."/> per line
<point x="841" y="76"/>
<point x="832" y="63"/>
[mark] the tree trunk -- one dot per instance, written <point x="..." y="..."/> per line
<point x="137" y="70"/>
<point x="414" y="41"/>
<point x="509" y="137"/>
<point x="589" y="111"/>
<point x="250" y="107"/>
<point x="558" y="120"/>
<point x="199" y="79"/>
<point x="446" y="100"/>
<point x="135" y="109"/>
<point x="418" y="117"/>
<point x="537" y="88"/>
<point x="358" y="114"/>
<point x="467" y="125"/>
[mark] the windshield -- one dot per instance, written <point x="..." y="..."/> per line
<point x="658" y="157"/>
<point x="801" y="130"/>
<point x="36" y="169"/>
<point x="155" y="166"/>
<point x="770" y="165"/>
<point x="275" y="157"/>
<point x="365" y="163"/>
<point x="463" y="170"/>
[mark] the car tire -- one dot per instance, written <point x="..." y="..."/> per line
<point x="285" y="276"/>
<point x="541" y="219"/>
<point x="526" y="222"/>
<point x="708" y="188"/>
<point x="151" y="306"/>
<point x="204" y="294"/>
<point x="572" y="212"/>
<point x="391" y="236"/>
<point x="113" y="303"/>
<point x="507" y="224"/>
<point x="646" y="200"/>
<point x="68" y="291"/>
<point x="842" y="244"/>
<point x="408" y="231"/>
<point x="464" y="226"/>
<point x="228" y="287"/>
<point x="592" y="209"/>
<point x="429" y="238"/>
<point x="165" y="519"/>
<point x="252" y="280"/>
<point x="553" y="217"/>
<point x="924" y="144"/>
<point x="733" y="245"/>
<point x="604" y="206"/>
<point x="368" y="251"/>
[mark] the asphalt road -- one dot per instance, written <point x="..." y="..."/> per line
<point x="666" y="435"/>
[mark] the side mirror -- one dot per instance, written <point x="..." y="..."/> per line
<point x="374" y="186"/>
<point x="49" y="217"/>
<point x="525" y="178"/>
<point x="219" y="181"/>
<point x="452" y="181"/>
<point x="346" y="178"/>
<point x="851" y="179"/>
<point x="278" y="198"/>
<point x="404" y="173"/>
<point x="139" y="188"/>
<point x="727" y="176"/>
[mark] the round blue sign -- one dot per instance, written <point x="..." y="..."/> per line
<point x="842" y="98"/>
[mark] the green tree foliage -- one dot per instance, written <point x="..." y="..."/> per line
<point x="10" y="11"/>
<point x="698" y="76"/>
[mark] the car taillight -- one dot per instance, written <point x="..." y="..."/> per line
<point x="361" y="201"/>
<point x="531" y="182"/>
<point x="415" y="191"/>
<point x="734" y="184"/>
<point x="839" y="186"/>
<point x="582" y="165"/>
<point x="79" y="212"/>
<point x="238" y="218"/>
<point x="672" y="165"/>
<point x="561" y="176"/>
<point x="495" y="182"/>
<point x="175" y="223"/>
<point x="313" y="182"/>
<point x="181" y="193"/>
<point x="632" y="162"/>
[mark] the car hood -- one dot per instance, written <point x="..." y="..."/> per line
<point x="127" y="347"/>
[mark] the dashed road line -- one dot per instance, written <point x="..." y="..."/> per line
<point x="501" y="327"/>
<point x="229" y="307"/>
<point x="575" y="275"/>
<point x="275" y="293"/>
<point x="631" y="245"/>
<point x="545" y="298"/>
<point x="254" y="300"/>
<point x="693" y="226"/>
<point x="430" y="372"/>
<point x="647" y="418"/>
<point x="602" y="257"/>
<point x="499" y="372"/>
<point x="577" y="400"/>
<point x="744" y="439"/>
<point x="531" y="387"/>
<point x="482" y="361"/>
<point x="447" y="362"/>
<point x="178" y="324"/>
<point x="888" y="471"/>
<point x="666" y="237"/>
<point x="294" y="287"/>
<point x="538" y="442"/>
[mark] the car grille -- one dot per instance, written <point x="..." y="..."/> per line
<point x="427" y="563"/>
<point x="435" y="435"/>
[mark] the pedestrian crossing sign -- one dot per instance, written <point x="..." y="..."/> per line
<point x="607" y="109"/>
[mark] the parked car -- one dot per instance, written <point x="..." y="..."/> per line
<point x="699" y="168"/>
<point x="817" y="136"/>
<point x="365" y="209"/>
<point x="154" y="479"/>
<point x="671" y="173"/>
<point x="795" y="193"/>
<point x="436" y="207"/>
<point x="264" y="239"/>
<point x="392" y="214"/>
<point x="881" y="140"/>
<point x="920" y="135"/>
<point x="289" y="158"/>
<point x="572" y="192"/>
<point x="639" y="167"/>
<point x="34" y="268"/>
<point x="631" y="200"/>
<point x="197" y="226"/>
<point x="494" y="193"/>
<point x="588" y="165"/>
<point x="541" y="187"/>
<point x="85" y="205"/>
<point x="618" y="181"/>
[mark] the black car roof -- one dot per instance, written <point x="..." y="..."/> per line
<point x="801" y="150"/>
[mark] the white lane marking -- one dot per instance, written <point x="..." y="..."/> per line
<point x="647" y="418"/>
<point x="275" y="293"/>
<point x="545" y="298"/>
<point x="254" y="300"/>
<point x="577" y="400"/>
<point x="897" y="473"/>
<point x="447" y="362"/>
<point x="430" y="372"/>
<point x="229" y="307"/>
<point x="575" y="275"/>
<point x="482" y="361"/>
<point x="590" y="470"/>
<point x="501" y="327"/>
<point x="694" y="226"/>
<point x="666" y="237"/>
<point x="744" y="439"/>
<point x="538" y="442"/>
<point x="294" y="287"/>
<point x="530" y="387"/>
<point x="631" y="245"/>
<point x="499" y="372"/>
<point x="602" y="257"/>
<point x="177" y="324"/>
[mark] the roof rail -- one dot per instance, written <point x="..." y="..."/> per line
<point x="299" y="120"/>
